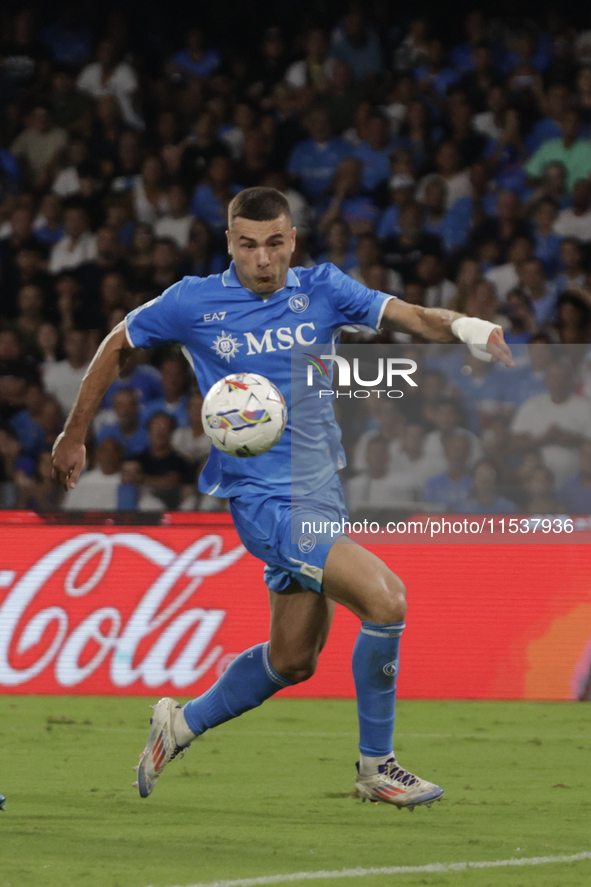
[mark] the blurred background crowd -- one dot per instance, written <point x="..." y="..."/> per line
<point x="447" y="162"/>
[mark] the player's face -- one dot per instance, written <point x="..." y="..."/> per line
<point x="262" y="252"/>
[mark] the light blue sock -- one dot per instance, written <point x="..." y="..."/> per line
<point x="375" y="666"/>
<point x="246" y="683"/>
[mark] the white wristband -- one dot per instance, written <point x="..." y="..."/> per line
<point x="475" y="333"/>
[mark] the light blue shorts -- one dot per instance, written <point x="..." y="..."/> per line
<point x="293" y="537"/>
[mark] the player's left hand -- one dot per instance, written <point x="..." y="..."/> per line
<point x="498" y="348"/>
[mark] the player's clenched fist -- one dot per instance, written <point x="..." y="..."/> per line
<point x="69" y="458"/>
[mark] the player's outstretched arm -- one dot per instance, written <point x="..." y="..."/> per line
<point x="485" y="339"/>
<point x="69" y="452"/>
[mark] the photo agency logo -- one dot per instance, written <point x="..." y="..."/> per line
<point x="386" y="371"/>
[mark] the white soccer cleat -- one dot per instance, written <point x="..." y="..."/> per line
<point x="392" y="784"/>
<point x="161" y="747"/>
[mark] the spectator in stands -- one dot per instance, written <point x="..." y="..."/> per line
<point x="30" y="303"/>
<point x="349" y="201"/>
<point x="26" y="423"/>
<point x="127" y="430"/>
<point x="211" y="198"/>
<point x="541" y="291"/>
<point x="519" y="312"/>
<point x="374" y="487"/>
<point x="314" y="68"/>
<point x="314" y="161"/>
<point x="552" y="186"/>
<point x="62" y="379"/>
<point x="575" y="493"/>
<point x="540" y="496"/>
<point x="194" y="61"/>
<point x="485" y="498"/>
<point x="410" y="468"/>
<point x="173" y="378"/>
<point x="374" y="151"/>
<point x="167" y="474"/>
<point x="576" y="221"/>
<point x="574" y="317"/>
<point x="339" y="249"/>
<point x="166" y="268"/>
<point x="571" y="258"/>
<point x="385" y="419"/>
<point x="399" y="192"/>
<point x="447" y="418"/>
<point x="449" y="166"/>
<point x="191" y="442"/>
<point x="176" y="223"/>
<point x="505" y="226"/>
<point x="403" y="252"/>
<point x="556" y="422"/>
<point x="451" y="489"/>
<point x="38" y="146"/>
<point x="200" y="148"/>
<point x="78" y="244"/>
<point x="39" y="492"/>
<point x="357" y="44"/>
<point x="97" y="488"/>
<point x="48" y="225"/>
<point x="109" y="76"/>
<point x="452" y="227"/>
<point x="369" y="255"/>
<point x="507" y="277"/>
<point x="569" y="149"/>
<point x="435" y="76"/>
<point x="439" y="292"/>
<point x="546" y="242"/>
<point x="149" y="194"/>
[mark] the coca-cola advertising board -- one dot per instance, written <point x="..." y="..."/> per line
<point x="163" y="610"/>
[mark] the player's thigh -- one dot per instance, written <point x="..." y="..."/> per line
<point x="362" y="582"/>
<point x="300" y="624"/>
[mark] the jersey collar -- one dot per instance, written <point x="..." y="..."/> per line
<point x="230" y="278"/>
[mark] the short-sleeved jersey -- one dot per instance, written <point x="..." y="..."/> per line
<point x="225" y="328"/>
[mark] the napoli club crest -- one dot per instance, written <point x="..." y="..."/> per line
<point x="299" y="303"/>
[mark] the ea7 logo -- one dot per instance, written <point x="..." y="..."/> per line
<point x="219" y="316"/>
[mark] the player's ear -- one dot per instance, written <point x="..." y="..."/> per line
<point x="229" y="243"/>
<point x="294" y="232"/>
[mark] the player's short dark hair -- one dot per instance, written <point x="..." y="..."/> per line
<point x="259" y="205"/>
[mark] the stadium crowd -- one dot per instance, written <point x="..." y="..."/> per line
<point x="449" y="172"/>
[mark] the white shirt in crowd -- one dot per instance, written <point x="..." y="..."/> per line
<point x="66" y="183"/>
<point x="190" y="447"/>
<point x="122" y="84"/>
<point x="485" y="124"/>
<point x="67" y="254"/>
<point x="504" y="278"/>
<point x="62" y="381"/>
<point x="176" y="229"/>
<point x="364" y="491"/>
<point x="434" y="452"/>
<point x="440" y="294"/>
<point x="94" y="491"/>
<point x="567" y="224"/>
<point x="145" y="211"/>
<point x="538" y="414"/>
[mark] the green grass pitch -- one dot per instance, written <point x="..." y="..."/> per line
<point x="271" y="793"/>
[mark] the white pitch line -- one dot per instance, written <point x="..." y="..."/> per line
<point x="432" y="868"/>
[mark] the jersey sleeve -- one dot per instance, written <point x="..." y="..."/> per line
<point x="353" y="302"/>
<point x="158" y="321"/>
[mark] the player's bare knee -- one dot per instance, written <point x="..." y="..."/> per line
<point x="298" y="670"/>
<point x="389" y="604"/>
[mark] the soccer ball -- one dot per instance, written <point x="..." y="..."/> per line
<point x="244" y="414"/>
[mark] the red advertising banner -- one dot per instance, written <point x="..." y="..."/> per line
<point x="163" y="610"/>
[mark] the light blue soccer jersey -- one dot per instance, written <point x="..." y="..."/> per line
<point x="225" y="328"/>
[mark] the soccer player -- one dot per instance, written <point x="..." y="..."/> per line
<point x="246" y="320"/>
